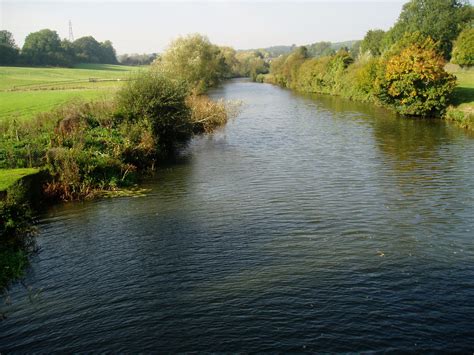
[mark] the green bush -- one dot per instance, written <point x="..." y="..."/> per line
<point x="16" y="239"/>
<point x="463" y="51"/>
<point x="413" y="80"/>
<point x="161" y="102"/>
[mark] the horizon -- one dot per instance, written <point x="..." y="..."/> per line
<point x="152" y="25"/>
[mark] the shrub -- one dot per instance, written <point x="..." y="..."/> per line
<point x="206" y="114"/>
<point x="463" y="51"/>
<point x="161" y="102"/>
<point x="16" y="238"/>
<point x="414" y="81"/>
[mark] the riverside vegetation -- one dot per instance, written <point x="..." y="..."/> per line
<point x="88" y="147"/>
<point x="402" y="69"/>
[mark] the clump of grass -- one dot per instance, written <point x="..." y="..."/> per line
<point x="206" y="115"/>
<point x="463" y="117"/>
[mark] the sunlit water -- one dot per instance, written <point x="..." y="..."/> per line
<point x="306" y="224"/>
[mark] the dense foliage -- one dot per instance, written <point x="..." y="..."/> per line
<point x="44" y="47"/>
<point x="410" y="78"/>
<point x="194" y="60"/>
<point x="442" y="20"/>
<point x="414" y="81"/>
<point x="137" y="59"/>
<point x="402" y="69"/>
<point x="160" y="102"/>
<point x="88" y="50"/>
<point x="9" y="51"/>
<point x="463" y="51"/>
<point x="16" y="236"/>
<point x="373" y="42"/>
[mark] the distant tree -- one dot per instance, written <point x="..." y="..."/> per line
<point x="442" y="20"/>
<point x="195" y="60"/>
<point x="320" y="49"/>
<point x="373" y="42"/>
<point x="251" y="64"/>
<point x="355" y="49"/>
<point x="68" y="49"/>
<point x="87" y="50"/>
<point x="107" y="53"/>
<point x="8" y="48"/>
<point x="44" y="48"/>
<point x="137" y="59"/>
<point x="230" y="61"/>
<point x="463" y="51"/>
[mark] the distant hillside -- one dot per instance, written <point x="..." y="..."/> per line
<point x="314" y="49"/>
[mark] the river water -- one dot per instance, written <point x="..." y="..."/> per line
<point x="306" y="224"/>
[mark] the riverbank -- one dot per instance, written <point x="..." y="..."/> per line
<point x="461" y="111"/>
<point x="83" y="149"/>
<point x="410" y="79"/>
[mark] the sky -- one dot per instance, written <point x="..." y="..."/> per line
<point x="149" y="26"/>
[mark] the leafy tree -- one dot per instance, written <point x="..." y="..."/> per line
<point x="463" y="51"/>
<point x="87" y="50"/>
<point x="373" y="42"/>
<point x="137" y="59"/>
<point x="44" y="48"/>
<point x="442" y="20"/>
<point x="230" y="61"/>
<point x="251" y="64"/>
<point x="320" y="49"/>
<point x="108" y="54"/>
<point x="412" y="79"/>
<point x="8" y="48"/>
<point x="194" y="60"/>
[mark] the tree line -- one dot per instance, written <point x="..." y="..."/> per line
<point x="45" y="48"/>
<point x="402" y="68"/>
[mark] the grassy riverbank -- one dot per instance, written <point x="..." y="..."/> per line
<point x="86" y="147"/>
<point x="462" y="110"/>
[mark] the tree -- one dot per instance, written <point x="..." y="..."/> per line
<point x="463" y="51"/>
<point x="413" y="80"/>
<point x="251" y="64"/>
<point x="107" y="53"/>
<point x="44" y="48"/>
<point x="442" y="20"/>
<point x="373" y="42"/>
<point x="195" y="60"/>
<point x="320" y="49"/>
<point x="8" y="48"/>
<point x="87" y="50"/>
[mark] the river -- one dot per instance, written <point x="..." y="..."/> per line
<point x="306" y="224"/>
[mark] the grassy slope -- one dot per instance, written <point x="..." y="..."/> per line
<point x="9" y="176"/>
<point x="25" y="92"/>
<point x="462" y="112"/>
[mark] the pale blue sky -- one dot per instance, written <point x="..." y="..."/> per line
<point x="148" y="26"/>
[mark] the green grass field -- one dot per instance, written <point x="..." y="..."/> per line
<point x="25" y="92"/>
<point x="10" y="176"/>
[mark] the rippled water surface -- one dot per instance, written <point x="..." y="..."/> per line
<point x="307" y="224"/>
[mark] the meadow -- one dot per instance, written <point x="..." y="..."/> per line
<point x="25" y="92"/>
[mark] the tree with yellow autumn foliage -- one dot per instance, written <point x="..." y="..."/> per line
<point x="413" y="80"/>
